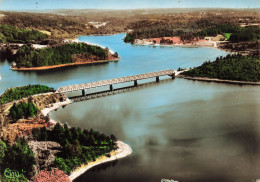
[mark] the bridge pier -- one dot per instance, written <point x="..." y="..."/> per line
<point x="157" y="79"/>
<point x="111" y="87"/>
<point x="135" y="83"/>
<point x="83" y="92"/>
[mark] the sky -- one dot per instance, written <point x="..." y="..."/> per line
<point x="124" y="4"/>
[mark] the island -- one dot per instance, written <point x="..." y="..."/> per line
<point x="32" y="141"/>
<point x="235" y="68"/>
<point x="69" y="54"/>
<point x="24" y="47"/>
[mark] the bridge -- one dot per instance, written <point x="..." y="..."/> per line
<point x="109" y="92"/>
<point x="110" y="82"/>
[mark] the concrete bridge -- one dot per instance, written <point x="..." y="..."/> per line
<point x="110" y="82"/>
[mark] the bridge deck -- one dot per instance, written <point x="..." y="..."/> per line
<point x="83" y="86"/>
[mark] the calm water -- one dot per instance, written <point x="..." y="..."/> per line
<point x="178" y="129"/>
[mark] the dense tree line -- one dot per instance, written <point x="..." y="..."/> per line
<point x="231" y="67"/>
<point x="12" y="34"/>
<point x="154" y="31"/>
<point x="24" y="91"/>
<point x="78" y="147"/>
<point x="246" y="34"/>
<point x="27" y="56"/>
<point x="129" y="38"/>
<point x="218" y="29"/>
<point x="23" y="110"/>
<point x="17" y="157"/>
<point x="6" y="53"/>
<point x="238" y="33"/>
<point x="167" y="26"/>
<point x="58" y="26"/>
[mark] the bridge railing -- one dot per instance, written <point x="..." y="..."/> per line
<point x="83" y="86"/>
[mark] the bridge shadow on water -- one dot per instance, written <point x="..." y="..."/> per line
<point x="117" y="91"/>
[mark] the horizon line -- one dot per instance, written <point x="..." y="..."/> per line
<point x="117" y="9"/>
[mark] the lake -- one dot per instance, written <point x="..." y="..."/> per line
<point x="189" y="131"/>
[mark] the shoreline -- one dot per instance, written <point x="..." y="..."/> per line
<point x="73" y="40"/>
<point x="174" y="45"/>
<point x="57" y="105"/>
<point x="76" y="40"/>
<point x="188" y="45"/>
<point x="122" y="151"/>
<point x="206" y="79"/>
<point x="62" y="65"/>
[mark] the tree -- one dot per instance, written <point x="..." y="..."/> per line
<point x="58" y="133"/>
<point x="113" y="137"/>
<point x="60" y="163"/>
<point x="22" y="110"/>
<point x="2" y="38"/>
<point x="32" y="110"/>
<point x="20" y="156"/>
<point x="115" y="55"/>
<point x="3" y="149"/>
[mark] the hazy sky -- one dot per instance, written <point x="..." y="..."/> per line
<point x="123" y="4"/>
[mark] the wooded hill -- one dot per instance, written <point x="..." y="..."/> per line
<point x="27" y="56"/>
<point x="235" y="33"/>
<point x="78" y="146"/>
<point x="17" y="93"/>
<point x="231" y="67"/>
<point x="69" y="23"/>
<point x="9" y="34"/>
<point x="57" y="26"/>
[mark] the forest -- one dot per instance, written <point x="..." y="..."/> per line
<point x="70" y="23"/>
<point x="9" y="34"/>
<point x="17" y="157"/>
<point x="78" y="147"/>
<point x="24" y="91"/>
<point x="236" y="33"/>
<point x="57" y="26"/>
<point x="27" y="56"/>
<point x="218" y="29"/>
<point x="231" y="67"/>
<point x="155" y="31"/>
<point x="22" y="110"/>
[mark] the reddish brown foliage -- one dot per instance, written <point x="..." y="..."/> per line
<point x="54" y="175"/>
<point x="23" y="128"/>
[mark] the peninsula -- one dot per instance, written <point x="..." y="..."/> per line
<point x="26" y="131"/>
<point x="230" y="37"/>
<point x="234" y="69"/>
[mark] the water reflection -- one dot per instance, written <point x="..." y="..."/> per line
<point x="182" y="130"/>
